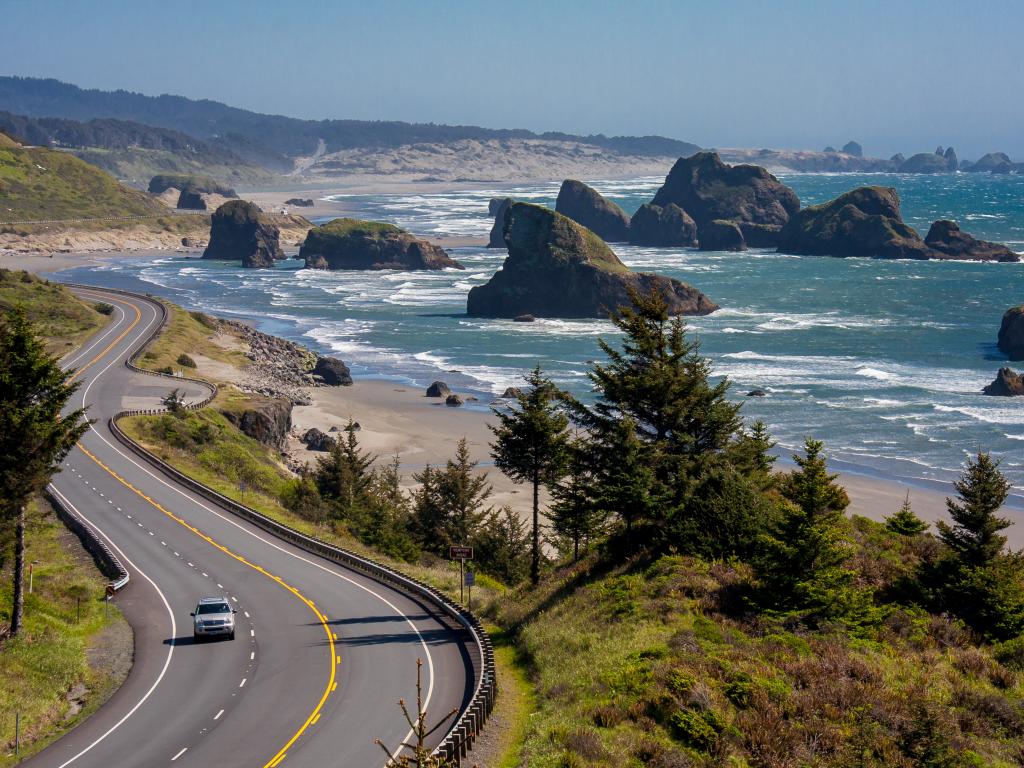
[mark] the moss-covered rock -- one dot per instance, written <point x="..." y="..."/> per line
<point x="947" y="238"/>
<point x="557" y="268"/>
<point x="666" y="226"/>
<point x="708" y="189"/>
<point x="1011" y="333"/>
<point x="863" y="222"/>
<point x="240" y="232"/>
<point x="356" y="244"/>
<point x="588" y="207"/>
<point x="720" y="235"/>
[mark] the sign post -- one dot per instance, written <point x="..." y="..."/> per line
<point x="462" y="554"/>
<point x="470" y="581"/>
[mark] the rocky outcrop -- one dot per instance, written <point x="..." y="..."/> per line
<point x="951" y="159"/>
<point x="1008" y="383"/>
<point x="438" y="389"/>
<point x="266" y="419"/>
<point x="556" y="268"/>
<point x="947" y="238"/>
<point x="300" y="202"/>
<point x="666" y="226"/>
<point x="239" y="232"/>
<point x="496" y="208"/>
<point x="453" y="401"/>
<point x="355" y="244"/>
<point x="1011" y="333"/>
<point x="315" y="440"/>
<point x="924" y="162"/>
<point x="708" y="189"/>
<point x="853" y="148"/>
<point x="333" y="372"/>
<point x="897" y="160"/>
<point x="588" y="207"/>
<point x="863" y="222"/>
<point x="760" y="235"/>
<point x="991" y="162"/>
<point x="511" y="393"/>
<point x="719" y="235"/>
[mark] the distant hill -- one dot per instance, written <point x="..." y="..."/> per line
<point x="130" y="150"/>
<point x="272" y="140"/>
<point x="45" y="184"/>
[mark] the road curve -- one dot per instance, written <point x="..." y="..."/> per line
<point x="322" y="653"/>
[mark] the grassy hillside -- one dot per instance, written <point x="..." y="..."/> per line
<point x="60" y="317"/>
<point x="43" y="184"/>
<point x="72" y="654"/>
<point x="657" y="664"/>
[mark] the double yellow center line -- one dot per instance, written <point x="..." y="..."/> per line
<point x="331" y="683"/>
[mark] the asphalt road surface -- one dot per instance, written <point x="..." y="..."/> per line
<point x="321" y="656"/>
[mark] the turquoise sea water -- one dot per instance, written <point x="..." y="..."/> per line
<point x="883" y="360"/>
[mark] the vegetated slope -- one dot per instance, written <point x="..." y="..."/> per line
<point x="62" y="318"/>
<point x="44" y="184"/>
<point x="270" y="139"/>
<point x="131" y="150"/>
<point x="659" y="664"/>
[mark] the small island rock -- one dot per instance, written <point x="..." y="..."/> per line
<point x="659" y="226"/>
<point x="556" y="268"/>
<point x="315" y="440"/>
<point x="924" y="162"/>
<point x="333" y="371"/>
<point x="511" y="392"/>
<point x="438" y="389"/>
<point x="757" y="393"/>
<point x="524" y="319"/>
<point x="240" y="232"/>
<point x="355" y="244"/>
<point x="588" y="207"/>
<point x="947" y="238"/>
<point x="453" y="401"/>
<point x="1008" y="383"/>
<point x="719" y="235"/>
<point x="1011" y="333"/>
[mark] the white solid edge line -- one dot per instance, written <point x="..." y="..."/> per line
<point x="170" y="613"/>
<point x="200" y="504"/>
<point x="70" y="362"/>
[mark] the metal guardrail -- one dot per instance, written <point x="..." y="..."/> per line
<point x="460" y="738"/>
<point x="110" y="566"/>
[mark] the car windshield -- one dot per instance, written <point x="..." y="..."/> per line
<point x="212" y="608"/>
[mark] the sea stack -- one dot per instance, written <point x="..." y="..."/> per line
<point x="355" y="244"/>
<point x="239" y="232"/>
<point x="557" y="268"/>
<point x="588" y="207"/>
<point x="662" y="226"/>
<point x="1011" y="333"/>
<point x="948" y="239"/>
<point x="496" y="208"/>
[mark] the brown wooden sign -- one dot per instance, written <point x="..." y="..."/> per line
<point x="456" y="552"/>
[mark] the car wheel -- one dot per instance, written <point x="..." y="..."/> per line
<point x="232" y="635"/>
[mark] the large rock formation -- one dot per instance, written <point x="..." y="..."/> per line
<point x="948" y="239"/>
<point x="708" y="189"/>
<point x="1011" y="333"/>
<point x="993" y="161"/>
<point x="239" y="232"/>
<point x="355" y="244"/>
<point x="496" y="208"/>
<point x="333" y="371"/>
<point x="719" y="235"/>
<point x="663" y="226"/>
<point x="1008" y="383"/>
<point x="557" y="268"/>
<point x="588" y="207"/>
<point x="853" y="148"/>
<point x="266" y="419"/>
<point x="925" y="162"/>
<point x="863" y="222"/>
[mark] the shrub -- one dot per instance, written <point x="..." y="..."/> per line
<point x="103" y="308"/>
<point x="186" y="361"/>
<point x="1010" y="653"/>
<point x="695" y="730"/>
<point x="740" y="690"/>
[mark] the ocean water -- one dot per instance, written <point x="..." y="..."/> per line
<point x="883" y="360"/>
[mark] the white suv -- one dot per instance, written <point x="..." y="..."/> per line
<point x="213" y="616"/>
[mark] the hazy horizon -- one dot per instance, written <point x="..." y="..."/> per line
<point x="802" y="76"/>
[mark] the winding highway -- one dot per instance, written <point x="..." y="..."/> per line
<point x="322" y="653"/>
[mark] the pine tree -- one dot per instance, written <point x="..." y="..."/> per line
<point x="751" y="454"/>
<point x="531" y="444"/>
<point x="574" y="517"/>
<point x="448" y="507"/>
<point x="345" y="476"/>
<point x="386" y="522"/>
<point x="34" y="435"/>
<point x="905" y="522"/>
<point x="802" y="565"/>
<point x="975" y="537"/>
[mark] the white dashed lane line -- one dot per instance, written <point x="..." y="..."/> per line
<point x="242" y="684"/>
<point x="183" y="750"/>
<point x="217" y="716"/>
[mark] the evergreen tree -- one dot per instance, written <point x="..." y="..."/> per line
<point x="751" y="454"/>
<point x="574" y="517"/>
<point x="905" y="522"/>
<point x="975" y="537"/>
<point x="503" y="546"/>
<point x="802" y="565"/>
<point x="385" y="525"/>
<point x="448" y="507"/>
<point x="531" y="445"/>
<point x="34" y="435"/>
<point x="344" y="476"/>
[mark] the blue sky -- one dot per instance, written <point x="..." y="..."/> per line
<point x="903" y="75"/>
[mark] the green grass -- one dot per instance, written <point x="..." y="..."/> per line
<point x="61" y="318"/>
<point x="43" y="184"/>
<point x="653" y="665"/>
<point x="188" y="333"/>
<point x="51" y="656"/>
<point x="516" y="701"/>
<point x="344" y="227"/>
